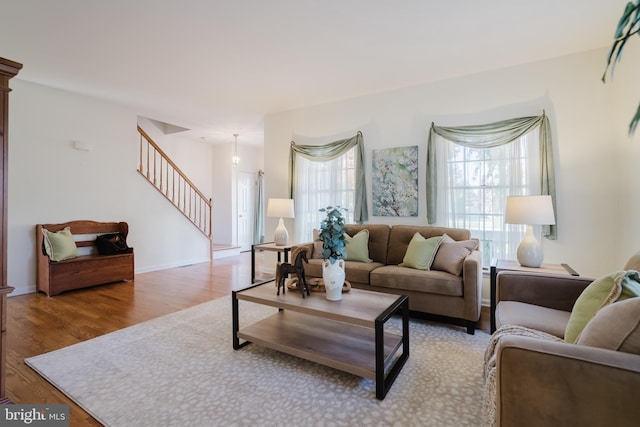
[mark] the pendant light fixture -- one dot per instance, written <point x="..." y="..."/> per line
<point x="235" y="159"/>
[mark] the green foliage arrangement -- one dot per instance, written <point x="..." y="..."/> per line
<point x="332" y="235"/>
<point x="628" y="26"/>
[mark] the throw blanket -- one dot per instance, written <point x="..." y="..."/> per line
<point x="489" y="403"/>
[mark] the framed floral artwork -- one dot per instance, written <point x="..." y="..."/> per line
<point x="395" y="181"/>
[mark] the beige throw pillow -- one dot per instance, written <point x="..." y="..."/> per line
<point x="451" y="254"/>
<point x="615" y="327"/>
<point x="616" y="286"/>
<point x="317" y="245"/>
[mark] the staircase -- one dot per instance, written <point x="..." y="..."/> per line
<point x="169" y="180"/>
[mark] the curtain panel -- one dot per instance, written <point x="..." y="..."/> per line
<point x="258" y="226"/>
<point x="323" y="153"/>
<point x="488" y="136"/>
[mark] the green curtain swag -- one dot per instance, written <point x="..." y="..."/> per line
<point x="493" y="135"/>
<point x="323" y="153"/>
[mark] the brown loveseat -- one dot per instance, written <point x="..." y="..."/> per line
<point x="430" y="291"/>
<point x="547" y="381"/>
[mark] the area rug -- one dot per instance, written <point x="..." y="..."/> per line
<point x="181" y="370"/>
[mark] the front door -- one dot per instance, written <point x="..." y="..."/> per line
<point x="246" y="210"/>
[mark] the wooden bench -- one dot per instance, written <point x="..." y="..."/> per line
<point x="89" y="268"/>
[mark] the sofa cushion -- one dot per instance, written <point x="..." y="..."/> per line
<point x="410" y="279"/>
<point x="401" y="235"/>
<point x="421" y="252"/>
<point x="531" y="316"/>
<point x="378" y="239"/>
<point x="357" y="247"/>
<point x="612" y="287"/>
<point x="355" y="272"/>
<point x="60" y="245"/>
<point x="451" y="254"/>
<point x="615" y="327"/>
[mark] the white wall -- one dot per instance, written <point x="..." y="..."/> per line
<point x="224" y="223"/>
<point x="627" y="99"/>
<point x="50" y="182"/>
<point x="588" y="147"/>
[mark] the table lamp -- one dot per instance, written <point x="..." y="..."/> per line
<point x="280" y="208"/>
<point x="529" y="210"/>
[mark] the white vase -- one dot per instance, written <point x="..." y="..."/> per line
<point x="333" y="278"/>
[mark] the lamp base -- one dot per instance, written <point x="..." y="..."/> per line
<point x="529" y="250"/>
<point x="281" y="235"/>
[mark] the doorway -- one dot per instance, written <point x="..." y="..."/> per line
<point x="246" y="209"/>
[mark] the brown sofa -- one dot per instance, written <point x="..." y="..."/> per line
<point x="430" y="291"/>
<point x="546" y="381"/>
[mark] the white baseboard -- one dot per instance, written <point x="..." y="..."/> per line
<point x="223" y="253"/>
<point x="170" y="265"/>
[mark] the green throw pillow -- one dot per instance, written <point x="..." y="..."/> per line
<point x="357" y="247"/>
<point x="608" y="289"/>
<point x="60" y="245"/>
<point x="421" y="252"/>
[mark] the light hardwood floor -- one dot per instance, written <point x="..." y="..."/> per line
<point x="38" y="324"/>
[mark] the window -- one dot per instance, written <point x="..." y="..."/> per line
<point x="476" y="183"/>
<point x="320" y="184"/>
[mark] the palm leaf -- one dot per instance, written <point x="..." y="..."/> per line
<point x="627" y="27"/>
<point x="634" y="122"/>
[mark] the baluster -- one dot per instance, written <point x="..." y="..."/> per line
<point x="140" y="166"/>
<point x="184" y="195"/>
<point x="210" y="217"/>
<point x="155" y="161"/>
<point x="148" y="168"/>
<point x="161" y="180"/>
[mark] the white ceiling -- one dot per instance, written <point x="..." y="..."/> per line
<point x="218" y="66"/>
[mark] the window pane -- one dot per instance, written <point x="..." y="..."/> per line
<point x="477" y="184"/>
<point x="320" y="184"/>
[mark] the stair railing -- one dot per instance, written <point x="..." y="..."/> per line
<point x="167" y="178"/>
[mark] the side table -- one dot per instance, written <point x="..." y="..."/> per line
<point x="272" y="247"/>
<point x="503" y="264"/>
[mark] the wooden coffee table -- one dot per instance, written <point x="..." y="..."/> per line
<point x="347" y="335"/>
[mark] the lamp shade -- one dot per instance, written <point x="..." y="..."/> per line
<point x="533" y="210"/>
<point x="280" y="208"/>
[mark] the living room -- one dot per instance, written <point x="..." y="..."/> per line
<point x="593" y="157"/>
<point x="596" y="173"/>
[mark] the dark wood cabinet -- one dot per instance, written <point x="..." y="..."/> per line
<point x="8" y="69"/>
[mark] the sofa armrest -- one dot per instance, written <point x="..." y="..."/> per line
<point x="472" y="285"/>
<point x="540" y="382"/>
<point x="547" y="290"/>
